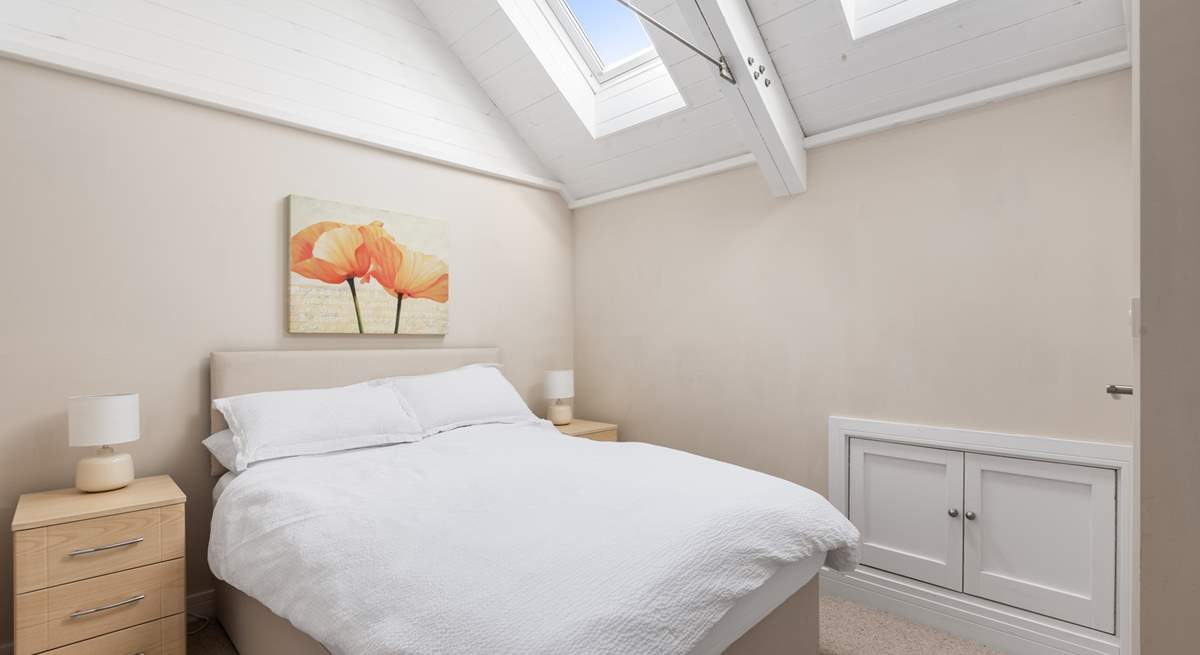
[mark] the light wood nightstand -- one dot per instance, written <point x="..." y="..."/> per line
<point x="100" y="573"/>
<point x="594" y="430"/>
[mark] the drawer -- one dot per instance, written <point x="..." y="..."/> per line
<point x="49" y="618"/>
<point x="58" y="554"/>
<point x="604" y="435"/>
<point x="162" y="637"/>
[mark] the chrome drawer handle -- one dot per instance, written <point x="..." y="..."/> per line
<point x="97" y="549"/>
<point x="127" y="601"/>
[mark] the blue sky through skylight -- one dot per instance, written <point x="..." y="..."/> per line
<point x="614" y="31"/>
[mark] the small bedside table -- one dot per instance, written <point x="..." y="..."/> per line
<point x="102" y="572"/>
<point x="593" y="430"/>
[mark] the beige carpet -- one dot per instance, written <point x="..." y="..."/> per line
<point x="851" y="629"/>
<point x="846" y="629"/>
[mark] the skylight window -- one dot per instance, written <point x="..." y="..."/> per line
<point x="598" y="55"/>
<point x="613" y="31"/>
<point x="609" y="37"/>
<point x="867" y="17"/>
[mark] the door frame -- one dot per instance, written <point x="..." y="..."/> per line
<point x="984" y="621"/>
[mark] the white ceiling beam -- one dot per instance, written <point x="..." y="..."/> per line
<point x="760" y="105"/>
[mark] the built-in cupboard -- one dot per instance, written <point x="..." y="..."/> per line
<point x="1017" y="541"/>
<point x="1032" y="534"/>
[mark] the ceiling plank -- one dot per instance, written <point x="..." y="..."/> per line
<point x="761" y="109"/>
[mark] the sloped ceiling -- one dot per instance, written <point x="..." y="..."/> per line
<point x="834" y="81"/>
<point x="488" y="44"/>
<point x="831" y="80"/>
<point x="453" y="81"/>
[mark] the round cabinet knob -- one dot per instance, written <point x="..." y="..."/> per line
<point x="953" y="513"/>
<point x="970" y="516"/>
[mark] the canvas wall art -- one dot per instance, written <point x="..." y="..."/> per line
<point x="356" y="270"/>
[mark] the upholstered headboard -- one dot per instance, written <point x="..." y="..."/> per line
<point x="234" y="373"/>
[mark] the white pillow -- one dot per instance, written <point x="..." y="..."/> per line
<point x="277" y="424"/>
<point x="221" y="445"/>
<point x="470" y="395"/>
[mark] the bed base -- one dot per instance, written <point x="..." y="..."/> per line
<point x="791" y="629"/>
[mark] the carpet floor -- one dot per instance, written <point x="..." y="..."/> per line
<point x="851" y="629"/>
<point x="846" y="629"/>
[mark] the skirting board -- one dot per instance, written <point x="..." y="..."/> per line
<point x="1006" y="629"/>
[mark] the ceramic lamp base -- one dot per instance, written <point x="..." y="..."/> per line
<point x="105" y="471"/>
<point x="559" y="414"/>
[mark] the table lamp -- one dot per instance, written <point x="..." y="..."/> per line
<point x="102" y="421"/>
<point x="559" y="386"/>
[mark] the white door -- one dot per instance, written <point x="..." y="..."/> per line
<point x="1042" y="536"/>
<point x="907" y="502"/>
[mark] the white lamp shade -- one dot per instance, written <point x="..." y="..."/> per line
<point x="560" y="384"/>
<point x="103" y="420"/>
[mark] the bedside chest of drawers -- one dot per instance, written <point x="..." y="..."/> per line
<point x="593" y="430"/>
<point x="100" y="573"/>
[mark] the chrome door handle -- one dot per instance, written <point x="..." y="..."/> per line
<point x="953" y="513"/>
<point x="1118" y="390"/>
<point x="970" y="516"/>
<point x="97" y="549"/>
<point x="111" y="606"/>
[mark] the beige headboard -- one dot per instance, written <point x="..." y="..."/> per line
<point x="235" y="373"/>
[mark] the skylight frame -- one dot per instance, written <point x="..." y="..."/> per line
<point x="889" y="16"/>
<point x="587" y="52"/>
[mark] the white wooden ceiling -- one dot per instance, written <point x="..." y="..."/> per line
<point x="453" y="81"/>
<point x="835" y="81"/>
<point x="370" y="71"/>
<point x="486" y="41"/>
<point x="832" y="80"/>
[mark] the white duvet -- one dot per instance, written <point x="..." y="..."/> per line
<point x="504" y="539"/>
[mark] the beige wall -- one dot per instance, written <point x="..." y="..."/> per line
<point x="1170" y="366"/>
<point x="140" y="233"/>
<point x="973" y="271"/>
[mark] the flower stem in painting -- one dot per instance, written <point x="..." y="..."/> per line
<point x="354" y="295"/>
<point x="399" y="300"/>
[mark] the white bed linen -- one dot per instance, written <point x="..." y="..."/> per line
<point x="513" y="539"/>
<point x="222" y="482"/>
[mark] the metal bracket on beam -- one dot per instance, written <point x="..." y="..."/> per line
<point x="718" y="61"/>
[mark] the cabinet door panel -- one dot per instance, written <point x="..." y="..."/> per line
<point x="901" y="498"/>
<point x="1043" y="537"/>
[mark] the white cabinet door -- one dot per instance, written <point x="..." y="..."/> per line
<point x="1042" y="537"/>
<point x="907" y="502"/>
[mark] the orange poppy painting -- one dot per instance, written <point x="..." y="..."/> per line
<point x="366" y="271"/>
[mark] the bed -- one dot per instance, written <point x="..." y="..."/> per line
<point x="777" y="616"/>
